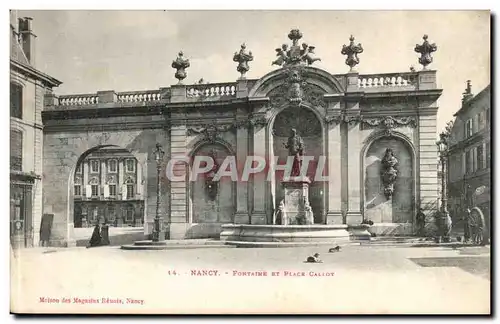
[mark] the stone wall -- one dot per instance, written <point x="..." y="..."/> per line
<point x="400" y="207"/>
<point x="62" y="150"/>
<point x="31" y="127"/>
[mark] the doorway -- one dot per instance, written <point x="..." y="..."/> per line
<point x="21" y="216"/>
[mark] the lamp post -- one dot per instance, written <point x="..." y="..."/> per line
<point x="444" y="219"/>
<point x="158" y="153"/>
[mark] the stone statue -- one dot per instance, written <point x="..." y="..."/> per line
<point x="180" y="64"/>
<point x="295" y="146"/>
<point x="308" y="55"/>
<point x="243" y="58"/>
<point x="280" y="217"/>
<point x="389" y="172"/>
<point x="309" y="217"/>
<point x="282" y="56"/>
<point x="295" y="55"/>
<point x="211" y="186"/>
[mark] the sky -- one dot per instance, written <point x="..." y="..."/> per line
<point x="91" y="51"/>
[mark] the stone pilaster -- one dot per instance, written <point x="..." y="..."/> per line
<point x="259" y="179"/>
<point x="242" y="215"/>
<point x="354" y="173"/>
<point x="427" y="80"/>
<point x="179" y="189"/>
<point x="121" y="178"/>
<point x="139" y="181"/>
<point x="107" y="98"/>
<point x="334" y="149"/>
<point x="178" y="93"/>
<point x="352" y="149"/>
<point x="427" y="176"/>
<point x="103" y="178"/>
<point x="85" y="179"/>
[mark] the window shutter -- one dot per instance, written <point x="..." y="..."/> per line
<point x="88" y="191"/>
<point x="484" y="166"/>
<point x="124" y="192"/>
<point x="16" y="150"/>
<point x="106" y="191"/>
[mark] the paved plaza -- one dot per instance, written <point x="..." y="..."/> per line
<point x="359" y="279"/>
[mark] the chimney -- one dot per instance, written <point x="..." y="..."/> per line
<point x="27" y="38"/>
<point x="14" y="23"/>
<point x="468" y="92"/>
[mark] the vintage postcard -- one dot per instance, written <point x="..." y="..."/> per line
<point x="250" y="162"/>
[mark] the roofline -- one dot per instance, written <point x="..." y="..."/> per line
<point x="471" y="101"/>
<point x="37" y="74"/>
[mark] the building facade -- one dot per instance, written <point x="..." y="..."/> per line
<point x="108" y="188"/>
<point x="377" y="133"/>
<point x="28" y="86"/>
<point x="469" y="160"/>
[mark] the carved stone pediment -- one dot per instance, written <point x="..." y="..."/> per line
<point x="210" y="131"/>
<point x="296" y="90"/>
<point x="389" y="122"/>
<point x="343" y="118"/>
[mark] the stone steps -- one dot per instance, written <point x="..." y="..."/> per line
<point x="244" y="244"/>
<point x="175" y="244"/>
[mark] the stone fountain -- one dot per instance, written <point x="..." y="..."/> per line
<point x="293" y="221"/>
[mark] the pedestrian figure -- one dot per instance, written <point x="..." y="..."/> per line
<point x="96" y="238"/>
<point x="467" y="221"/>
<point x="420" y="222"/>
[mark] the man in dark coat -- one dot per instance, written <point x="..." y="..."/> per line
<point x="95" y="239"/>
<point x="467" y="221"/>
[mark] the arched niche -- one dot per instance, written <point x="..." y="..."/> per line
<point x="400" y="207"/>
<point x="309" y="126"/>
<point x="314" y="76"/>
<point x="211" y="202"/>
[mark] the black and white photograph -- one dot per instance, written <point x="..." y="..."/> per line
<point x="333" y="162"/>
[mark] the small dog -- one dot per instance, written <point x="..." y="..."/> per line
<point x="314" y="259"/>
<point x="335" y="249"/>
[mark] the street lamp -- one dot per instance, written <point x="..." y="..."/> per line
<point x="158" y="153"/>
<point x="444" y="224"/>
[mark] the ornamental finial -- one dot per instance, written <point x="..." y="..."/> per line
<point x="295" y="55"/>
<point x="426" y="49"/>
<point x="181" y="64"/>
<point x="243" y="58"/>
<point x="352" y="52"/>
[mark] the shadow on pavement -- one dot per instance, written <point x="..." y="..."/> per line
<point x="479" y="266"/>
<point x="117" y="239"/>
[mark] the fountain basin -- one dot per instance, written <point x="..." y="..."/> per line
<point x="316" y="233"/>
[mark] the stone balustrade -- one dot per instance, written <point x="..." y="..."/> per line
<point x="388" y="80"/>
<point x="211" y="90"/>
<point x="139" y="96"/>
<point x="178" y="94"/>
<point x="78" y="100"/>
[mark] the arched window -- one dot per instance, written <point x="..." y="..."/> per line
<point x="112" y="166"/>
<point x="112" y="186"/>
<point x="16" y="100"/>
<point x="111" y="213"/>
<point x="94" y="186"/>
<point x="16" y="150"/>
<point x="130" y="165"/>
<point x="78" y="186"/>
<point x="130" y="183"/>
